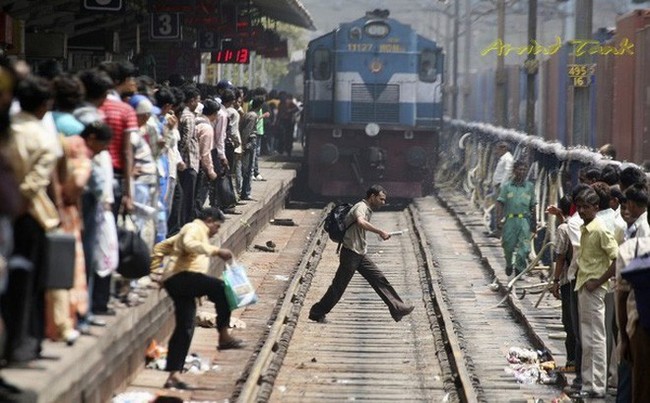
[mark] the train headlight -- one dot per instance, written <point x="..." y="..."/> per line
<point x="337" y="133"/>
<point x="408" y="135"/>
<point x="416" y="157"/>
<point x="328" y="154"/>
<point x="372" y="129"/>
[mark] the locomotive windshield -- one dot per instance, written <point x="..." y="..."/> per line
<point x="428" y="70"/>
<point x="322" y="67"/>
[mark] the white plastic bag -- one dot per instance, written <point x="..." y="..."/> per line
<point x="106" y="256"/>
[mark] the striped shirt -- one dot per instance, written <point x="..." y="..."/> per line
<point x="120" y="117"/>
<point x="188" y="145"/>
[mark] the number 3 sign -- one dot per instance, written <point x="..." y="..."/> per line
<point x="165" y="26"/>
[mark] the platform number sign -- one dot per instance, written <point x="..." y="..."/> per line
<point x="165" y="26"/>
<point x="208" y="40"/>
<point x="103" y="5"/>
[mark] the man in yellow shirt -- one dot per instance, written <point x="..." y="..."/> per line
<point x="185" y="278"/>
<point x="598" y="251"/>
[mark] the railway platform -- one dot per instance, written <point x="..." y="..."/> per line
<point x="105" y="362"/>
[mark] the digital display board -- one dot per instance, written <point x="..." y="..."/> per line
<point x="232" y="56"/>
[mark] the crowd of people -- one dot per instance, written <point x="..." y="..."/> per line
<point x="84" y="154"/>
<point x="603" y="226"/>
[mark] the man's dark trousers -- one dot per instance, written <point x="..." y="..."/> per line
<point x="183" y="288"/>
<point x="187" y="181"/>
<point x="575" y="318"/>
<point x="349" y="263"/>
<point x="203" y="188"/>
<point x="23" y="303"/>
<point x="174" y="219"/>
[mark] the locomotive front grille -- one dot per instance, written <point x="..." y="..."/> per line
<point x="375" y="103"/>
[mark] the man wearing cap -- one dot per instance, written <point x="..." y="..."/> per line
<point x="146" y="109"/>
<point x="145" y="171"/>
<point x="221" y="87"/>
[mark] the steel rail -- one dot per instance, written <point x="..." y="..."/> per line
<point x="443" y="318"/>
<point x="261" y="373"/>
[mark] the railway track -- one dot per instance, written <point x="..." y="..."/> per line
<point x="362" y="354"/>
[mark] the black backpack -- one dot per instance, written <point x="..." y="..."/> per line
<point x="335" y="222"/>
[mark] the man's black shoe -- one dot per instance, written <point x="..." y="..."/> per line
<point x="397" y="316"/>
<point x="586" y="395"/>
<point x="94" y="321"/>
<point x="105" y="312"/>
<point x="508" y="271"/>
<point x="318" y="318"/>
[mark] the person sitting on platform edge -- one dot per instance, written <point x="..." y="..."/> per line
<point x="354" y="258"/>
<point x="184" y="278"/>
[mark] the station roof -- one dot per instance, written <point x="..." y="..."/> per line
<point x="67" y="16"/>
<point x="289" y="11"/>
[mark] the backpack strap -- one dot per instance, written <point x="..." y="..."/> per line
<point x="338" y="248"/>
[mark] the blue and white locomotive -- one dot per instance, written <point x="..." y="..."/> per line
<point x="373" y="108"/>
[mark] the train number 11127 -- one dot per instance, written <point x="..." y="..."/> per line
<point x="360" y="47"/>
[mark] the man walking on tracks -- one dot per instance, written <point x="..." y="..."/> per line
<point x="353" y="258"/>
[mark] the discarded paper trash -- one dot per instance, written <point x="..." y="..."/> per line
<point x="528" y="366"/>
